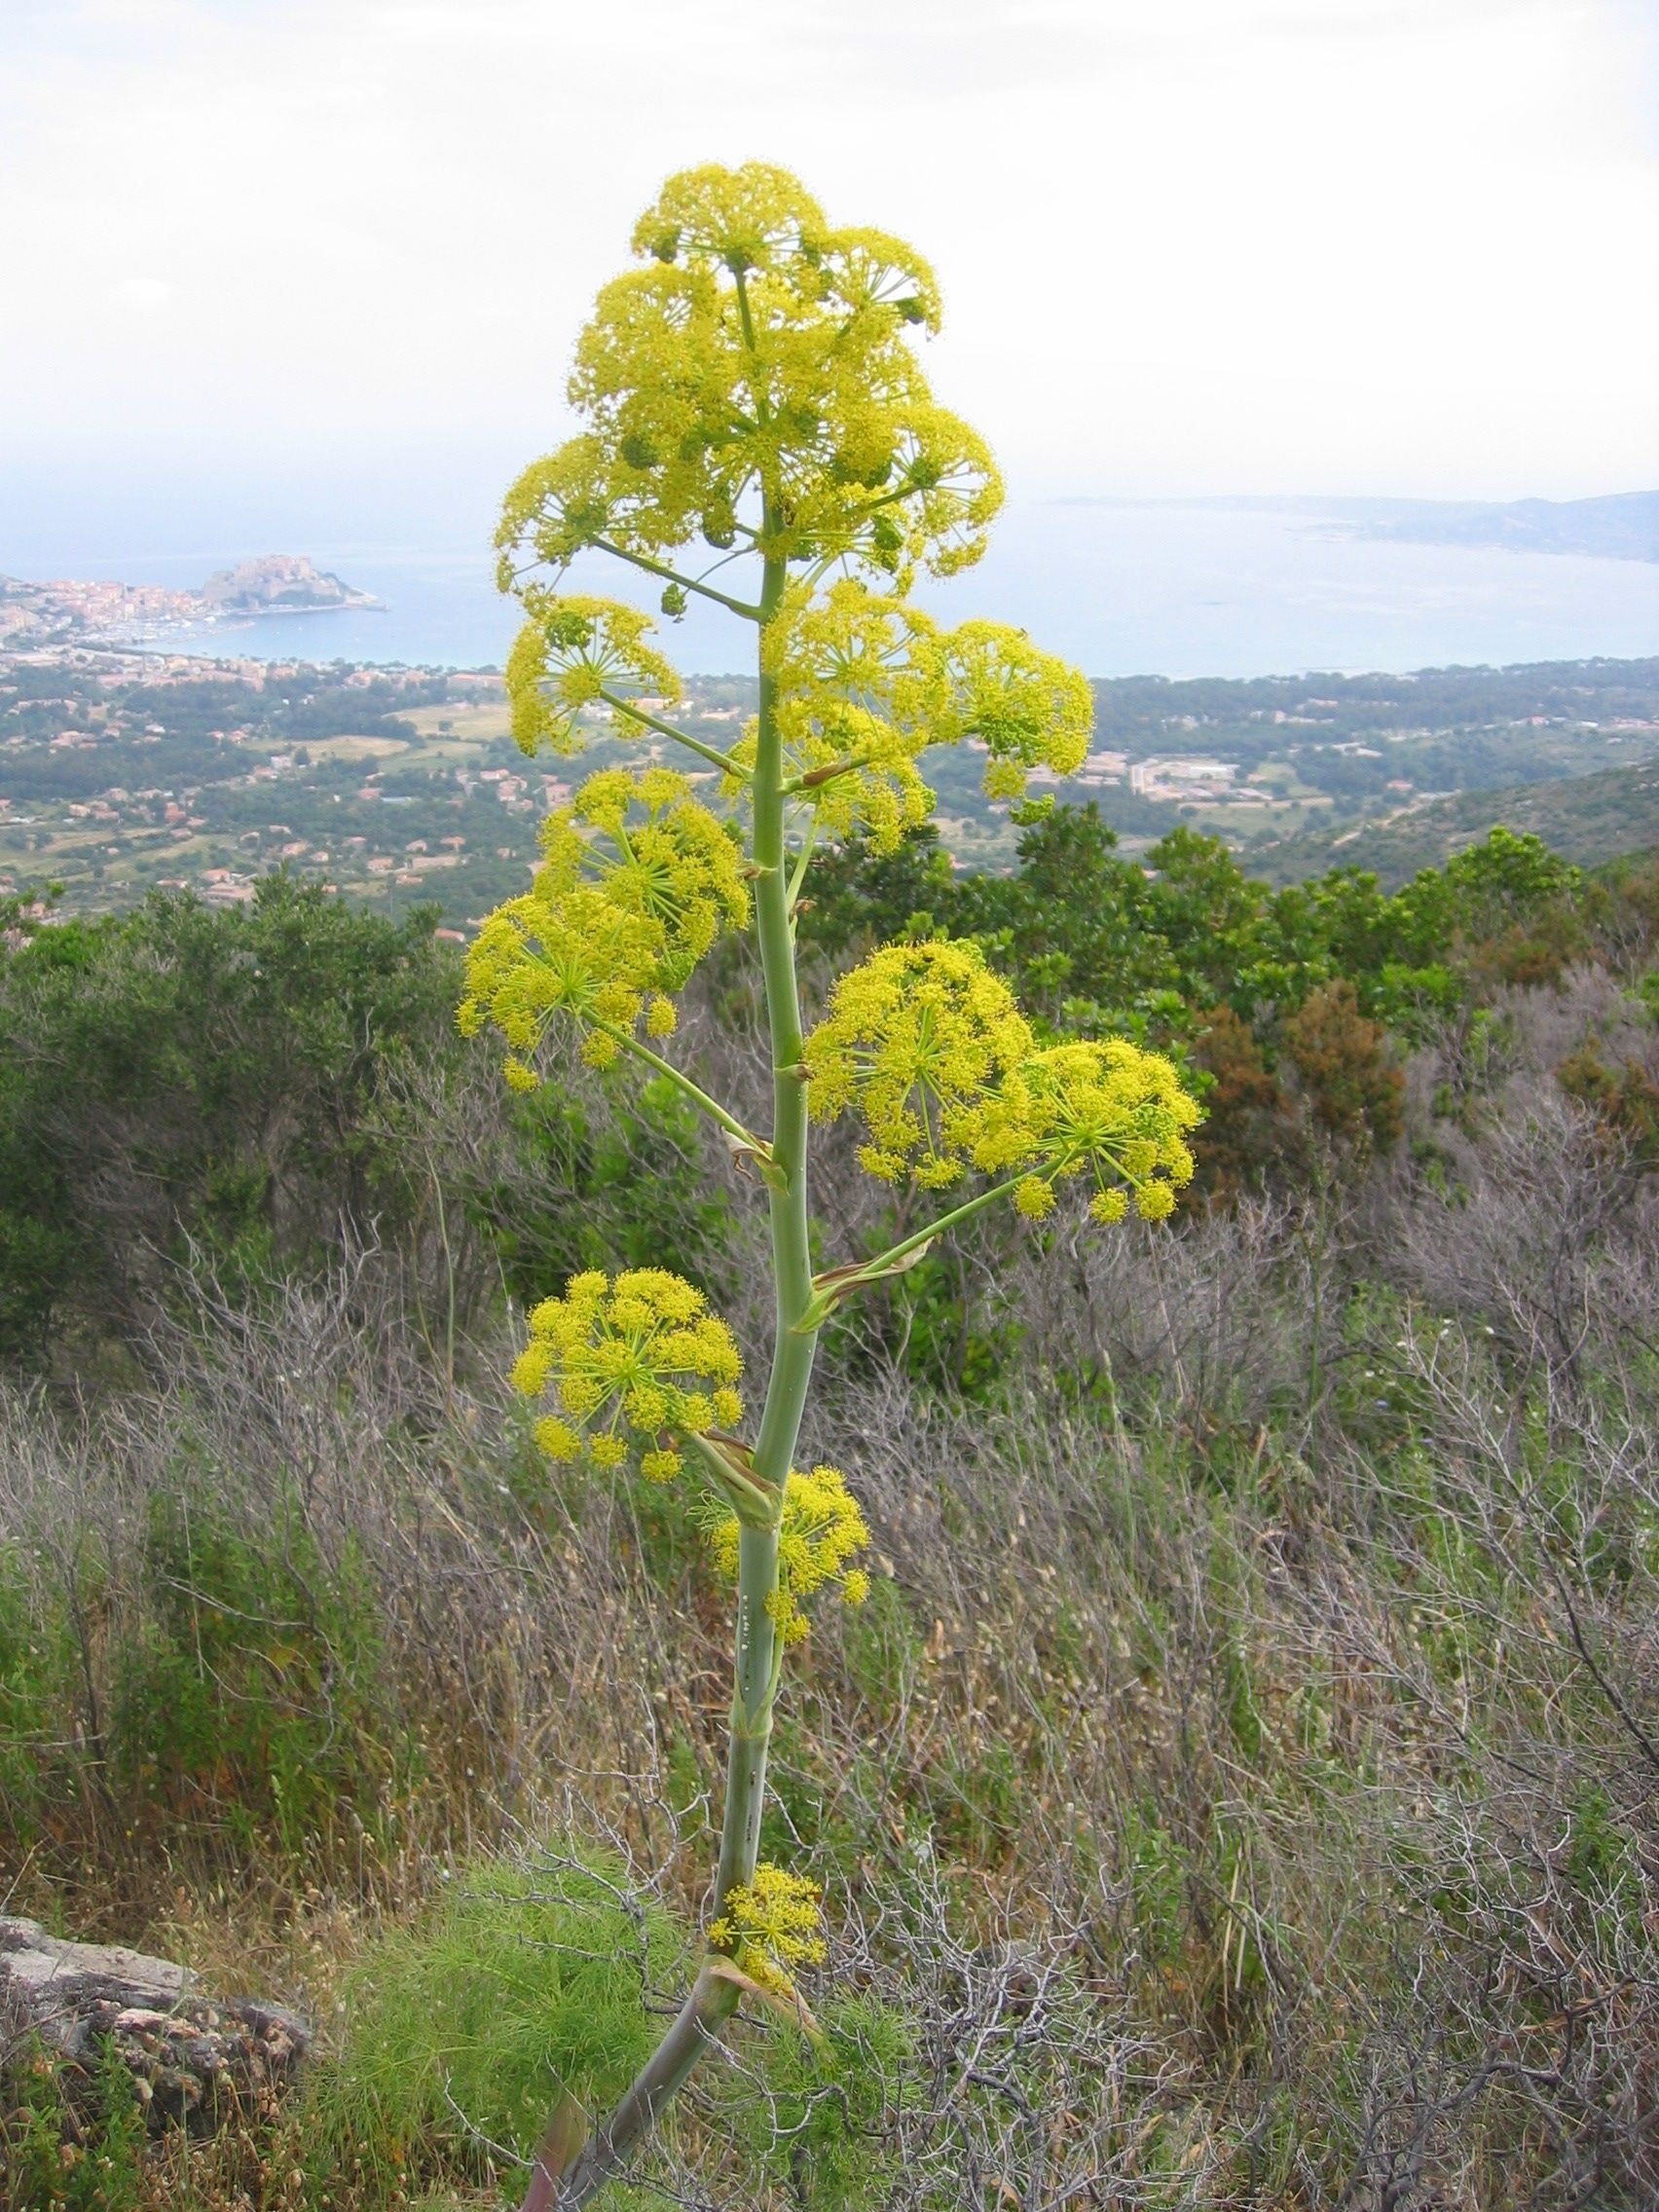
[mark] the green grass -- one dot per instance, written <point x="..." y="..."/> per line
<point x="527" y="1981"/>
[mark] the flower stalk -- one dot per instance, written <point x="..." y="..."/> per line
<point x="755" y="387"/>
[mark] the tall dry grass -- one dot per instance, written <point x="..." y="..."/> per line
<point x="1241" y="1784"/>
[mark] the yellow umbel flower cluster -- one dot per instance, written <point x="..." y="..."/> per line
<point x="823" y="1527"/>
<point x="569" y="654"/>
<point x="638" y="1362"/>
<point x="864" y="685"/>
<point x="660" y="854"/>
<point x="921" y="1039"/>
<point x="575" y="957"/>
<point x="1107" y="1109"/>
<point x="929" y="1049"/>
<point x="1026" y="707"/>
<point x="758" y="351"/>
<point x="862" y="690"/>
<point x="617" y="917"/>
<point x="769" y="1925"/>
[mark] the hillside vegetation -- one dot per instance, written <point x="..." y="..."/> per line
<point x="1586" y="819"/>
<point x="1240" y="1789"/>
<point x="122" y="773"/>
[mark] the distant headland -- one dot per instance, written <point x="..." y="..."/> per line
<point x="279" y="583"/>
<point x="1620" y="526"/>
<point x="66" y="610"/>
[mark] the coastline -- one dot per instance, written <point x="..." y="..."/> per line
<point x="230" y="619"/>
<point x="363" y="605"/>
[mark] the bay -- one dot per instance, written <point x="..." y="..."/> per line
<point x="1118" y="587"/>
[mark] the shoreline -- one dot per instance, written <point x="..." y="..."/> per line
<point x="183" y="632"/>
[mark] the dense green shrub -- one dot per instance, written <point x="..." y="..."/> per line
<point x="523" y="1982"/>
<point x="536" y="1978"/>
<point x="61" y="2153"/>
<point x="179" y="1075"/>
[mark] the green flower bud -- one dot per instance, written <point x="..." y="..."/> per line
<point x="673" y="601"/>
<point x="568" y="632"/>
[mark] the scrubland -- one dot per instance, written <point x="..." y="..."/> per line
<point x="1239" y="1790"/>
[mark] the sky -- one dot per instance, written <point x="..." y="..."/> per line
<point x="1187" y="247"/>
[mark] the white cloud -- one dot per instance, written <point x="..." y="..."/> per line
<point x="1208" y="244"/>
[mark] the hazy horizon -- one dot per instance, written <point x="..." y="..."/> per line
<point x="164" y="504"/>
<point x="1177" y="588"/>
<point x="1397" y="247"/>
<point x="305" y="276"/>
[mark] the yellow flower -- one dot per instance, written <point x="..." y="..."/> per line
<point x="771" y="1923"/>
<point x="558" y="1439"/>
<point x="862" y="690"/>
<point x="553" y="958"/>
<point x="1034" y="1198"/>
<point x="570" y="651"/>
<point x="638" y="882"/>
<point x="624" y="1360"/>
<point x="919" y="1038"/>
<point x="1110" y="1110"/>
<point x="654" y="851"/>
<point x="864" y="685"/>
<point x="932" y="1050"/>
<point x="759" y="351"/>
<point x="1026" y="707"/>
<point x="823" y="1527"/>
<point x="751" y="218"/>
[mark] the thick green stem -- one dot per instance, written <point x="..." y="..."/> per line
<point x="791" y="1266"/>
<point x="709" y="2004"/>
<point x="751" y="1710"/>
<point x="712" y="1998"/>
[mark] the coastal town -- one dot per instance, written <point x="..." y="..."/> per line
<point x="69" y="610"/>
<point x="124" y="771"/>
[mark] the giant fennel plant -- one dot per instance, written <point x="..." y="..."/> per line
<point x="758" y="433"/>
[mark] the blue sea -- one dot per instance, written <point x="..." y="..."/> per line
<point x="1120" y="588"/>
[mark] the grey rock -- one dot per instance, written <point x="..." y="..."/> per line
<point x="196" y="2062"/>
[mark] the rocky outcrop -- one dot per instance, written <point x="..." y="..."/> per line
<point x="196" y="2062"/>
<point x="277" y="583"/>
